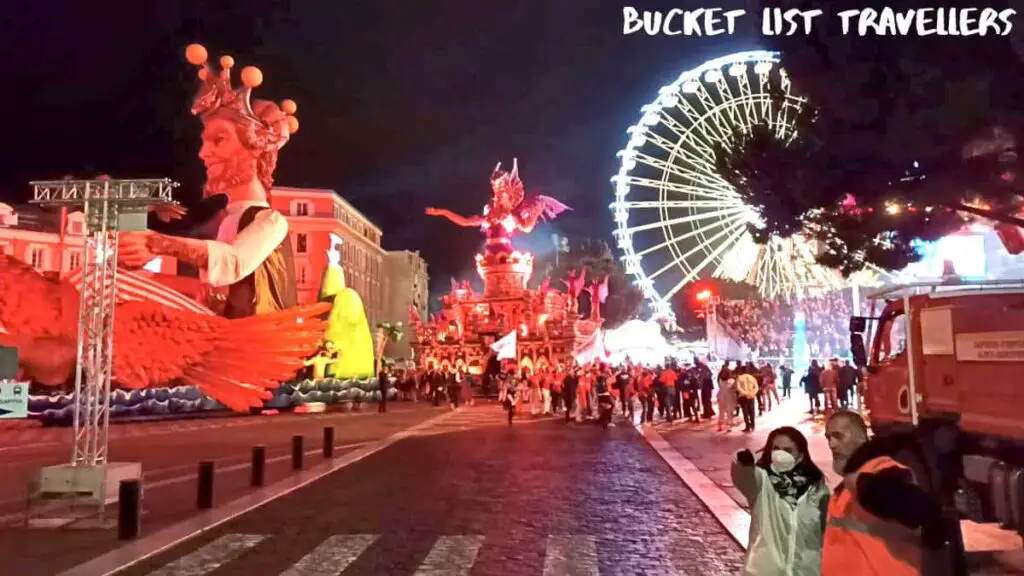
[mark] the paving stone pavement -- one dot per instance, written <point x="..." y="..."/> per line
<point x="482" y="498"/>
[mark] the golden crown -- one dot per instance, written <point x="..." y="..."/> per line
<point x="216" y="93"/>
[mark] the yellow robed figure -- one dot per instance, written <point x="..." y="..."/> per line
<point x="347" y="328"/>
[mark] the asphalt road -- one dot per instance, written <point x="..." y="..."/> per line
<point x="476" y="496"/>
<point x="169" y="453"/>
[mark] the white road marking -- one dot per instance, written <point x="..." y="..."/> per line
<point x="451" y="556"/>
<point x="571" y="556"/>
<point x="210" y="557"/>
<point x="333" y="556"/>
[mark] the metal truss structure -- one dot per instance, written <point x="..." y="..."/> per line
<point x="110" y="206"/>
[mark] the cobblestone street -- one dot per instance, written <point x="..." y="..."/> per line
<point x="475" y="496"/>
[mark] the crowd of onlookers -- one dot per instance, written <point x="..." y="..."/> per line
<point x="770" y="329"/>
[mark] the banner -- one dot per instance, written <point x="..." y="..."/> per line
<point x="506" y="347"/>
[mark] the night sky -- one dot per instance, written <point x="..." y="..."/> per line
<point x="402" y="104"/>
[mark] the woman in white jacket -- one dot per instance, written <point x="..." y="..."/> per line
<point x="788" y="504"/>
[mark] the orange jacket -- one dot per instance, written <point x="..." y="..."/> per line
<point x="857" y="542"/>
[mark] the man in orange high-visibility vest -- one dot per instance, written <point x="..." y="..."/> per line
<point x="879" y="519"/>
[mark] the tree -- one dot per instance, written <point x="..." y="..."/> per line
<point x="387" y="333"/>
<point x="901" y="138"/>
<point x="624" y="301"/>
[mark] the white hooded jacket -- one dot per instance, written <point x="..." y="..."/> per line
<point x="784" y="540"/>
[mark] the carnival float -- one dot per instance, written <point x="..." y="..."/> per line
<point x="546" y="320"/>
<point x="235" y="339"/>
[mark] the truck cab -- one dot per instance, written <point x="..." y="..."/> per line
<point x="945" y="365"/>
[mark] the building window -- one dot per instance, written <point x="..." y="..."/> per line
<point x="300" y="208"/>
<point x="74" y="260"/>
<point x="302" y="273"/>
<point x="37" y="257"/>
<point x="5" y="249"/>
<point x="75" y="228"/>
<point x="301" y="244"/>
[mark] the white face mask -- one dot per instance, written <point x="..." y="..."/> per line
<point x="782" y="461"/>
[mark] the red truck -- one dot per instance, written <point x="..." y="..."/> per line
<point x="954" y="385"/>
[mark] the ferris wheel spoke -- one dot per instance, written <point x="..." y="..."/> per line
<point x="729" y="222"/>
<point x="685" y="152"/>
<point x="741" y="210"/>
<point x="696" y="270"/>
<point x="725" y="197"/>
<point x="711" y="180"/>
<point x="677" y="204"/>
<point x="683" y="257"/>
<point x="695" y="134"/>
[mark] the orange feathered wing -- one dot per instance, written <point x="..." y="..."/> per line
<point x="236" y="362"/>
<point x="33" y="305"/>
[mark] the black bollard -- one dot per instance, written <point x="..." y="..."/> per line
<point x="259" y="466"/>
<point x="328" y="441"/>
<point x="204" y="496"/>
<point x="129" y="509"/>
<point x="297" y="452"/>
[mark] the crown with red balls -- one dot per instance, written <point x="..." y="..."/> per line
<point x="216" y="93"/>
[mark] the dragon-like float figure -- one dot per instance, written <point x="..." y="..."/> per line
<point x="509" y="212"/>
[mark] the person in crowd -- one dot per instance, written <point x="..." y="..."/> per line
<point x="751" y="369"/>
<point x="727" y="398"/>
<point x="879" y="520"/>
<point x="787" y="379"/>
<point x="812" y="386"/>
<point x="536" y="402"/>
<point x="691" y="390"/>
<point x="661" y="391"/>
<point x="770" y="390"/>
<point x="557" y="381"/>
<point x="511" y="396"/>
<point x="570" y="386"/>
<point x="546" y="377"/>
<point x="829" y="381"/>
<point x="675" y="393"/>
<point x="384" y="382"/>
<point x="747" y="389"/>
<point x="437" y="386"/>
<point x="455" y="383"/>
<point x="621" y="381"/>
<point x="788" y="500"/>
<point x="707" y="389"/>
<point x="847" y="384"/>
<point x="648" y="397"/>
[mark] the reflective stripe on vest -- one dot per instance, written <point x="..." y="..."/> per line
<point x="857" y="541"/>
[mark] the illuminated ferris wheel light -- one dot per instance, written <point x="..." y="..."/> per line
<point x="676" y="218"/>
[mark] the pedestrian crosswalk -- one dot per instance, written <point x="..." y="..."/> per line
<point x="564" y="555"/>
<point x="483" y="414"/>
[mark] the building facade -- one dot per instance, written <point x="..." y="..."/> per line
<point x="406" y="288"/>
<point x="313" y="214"/>
<point x="32" y="234"/>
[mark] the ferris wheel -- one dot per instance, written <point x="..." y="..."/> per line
<point x="676" y="218"/>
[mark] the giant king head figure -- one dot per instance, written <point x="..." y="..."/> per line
<point x="241" y="137"/>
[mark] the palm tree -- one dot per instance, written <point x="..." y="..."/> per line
<point x="387" y="333"/>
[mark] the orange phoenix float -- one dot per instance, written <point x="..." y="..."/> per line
<point x="235" y="334"/>
<point x="546" y="320"/>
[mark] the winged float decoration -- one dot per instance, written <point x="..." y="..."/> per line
<point x="234" y="361"/>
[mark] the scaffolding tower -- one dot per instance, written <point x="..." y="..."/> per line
<point x="109" y="206"/>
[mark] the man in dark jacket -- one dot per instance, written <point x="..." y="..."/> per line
<point x="569" y="386"/>
<point x="847" y="383"/>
